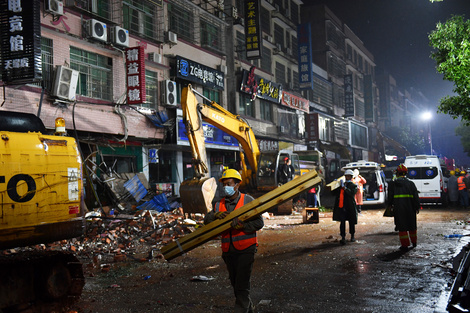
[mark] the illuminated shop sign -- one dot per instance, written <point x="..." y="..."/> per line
<point x="212" y="135"/>
<point x="253" y="37"/>
<point x="259" y="87"/>
<point x="135" y="70"/>
<point x="294" y="102"/>
<point x="198" y="73"/>
<point x="20" y="41"/>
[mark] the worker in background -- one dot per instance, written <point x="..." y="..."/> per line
<point x="403" y="200"/>
<point x="286" y="171"/>
<point x="345" y="206"/>
<point x="462" y="183"/>
<point x="453" y="189"/>
<point x="359" y="181"/>
<point x="239" y="243"/>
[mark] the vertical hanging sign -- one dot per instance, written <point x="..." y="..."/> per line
<point x="253" y="37"/>
<point x="20" y="33"/>
<point x="311" y="129"/>
<point x="135" y="70"/>
<point x="305" y="56"/>
<point x="348" y="96"/>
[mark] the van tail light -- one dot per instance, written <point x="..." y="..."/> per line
<point x="381" y="188"/>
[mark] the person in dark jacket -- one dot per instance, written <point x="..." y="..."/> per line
<point x="286" y="171"/>
<point x="403" y="199"/>
<point x="239" y="243"/>
<point x="345" y="206"/>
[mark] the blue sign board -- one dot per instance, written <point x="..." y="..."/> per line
<point x="305" y="56"/>
<point x="212" y="135"/>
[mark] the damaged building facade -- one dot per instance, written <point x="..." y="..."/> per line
<point x="114" y="70"/>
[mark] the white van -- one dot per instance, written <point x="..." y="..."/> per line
<point x="375" y="189"/>
<point x="425" y="171"/>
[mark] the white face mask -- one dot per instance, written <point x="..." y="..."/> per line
<point x="229" y="190"/>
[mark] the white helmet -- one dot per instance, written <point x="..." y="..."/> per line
<point x="349" y="172"/>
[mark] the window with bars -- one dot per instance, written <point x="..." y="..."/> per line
<point x="266" y="60"/>
<point x="151" y="90"/>
<point x="279" y="35"/>
<point x="47" y="59"/>
<point x="95" y="78"/>
<point x="246" y="105"/>
<point x="210" y="36"/>
<point x="266" y="110"/>
<point x="181" y="21"/>
<point x="265" y="20"/>
<point x="139" y="17"/>
<point x="280" y="73"/>
<point x="294" y="12"/>
<point x="240" y="46"/>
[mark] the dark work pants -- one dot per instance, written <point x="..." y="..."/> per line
<point x="239" y="266"/>
<point x="342" y="228"/>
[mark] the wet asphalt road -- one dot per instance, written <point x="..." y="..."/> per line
<point x="300" y="268"/>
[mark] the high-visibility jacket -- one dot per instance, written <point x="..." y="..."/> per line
<point x="461" y="183"/>
<point x="239" y="238"/>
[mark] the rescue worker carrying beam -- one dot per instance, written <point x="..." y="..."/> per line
<point x="239" y="243"/>
<point x="403" y="200"/>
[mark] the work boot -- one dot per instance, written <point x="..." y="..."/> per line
<point x="404" y="248"/>
<point x="414" y="244"/>
<point x="343" y="241"/>
<point x="352" y="238"/>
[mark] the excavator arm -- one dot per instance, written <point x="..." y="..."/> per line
<point x="194" y="113"/>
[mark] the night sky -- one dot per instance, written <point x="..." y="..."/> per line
<point x="396" y="33"/>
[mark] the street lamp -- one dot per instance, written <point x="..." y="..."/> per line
<point x="427" y="116"/>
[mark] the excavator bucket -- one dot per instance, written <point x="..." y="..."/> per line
<point x="197" y="194"/>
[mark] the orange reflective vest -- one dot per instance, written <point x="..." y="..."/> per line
<point x="461" y="183"/>
<point x="239" y="238"/>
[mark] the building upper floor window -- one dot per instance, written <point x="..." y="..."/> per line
<point x="266" y="110"/>
<point x="211" y="36"/>
<point x="139" y="17"/>
<point x="47" y="59"/>
<point x="246" y="105"/>
<point x="95" y="78"/>
<point x="181" y="21"/>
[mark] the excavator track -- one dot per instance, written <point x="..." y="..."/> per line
<point x="39" y="281"/>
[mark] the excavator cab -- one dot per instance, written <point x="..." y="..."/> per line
<point x="267" y="177"/>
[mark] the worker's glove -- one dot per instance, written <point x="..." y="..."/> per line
<point x="342" y="183"/>
<point x="237" y="224"/>
<point x="221" y="215"/>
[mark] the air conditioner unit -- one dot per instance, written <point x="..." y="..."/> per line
<point x="65" y="83"/>
<point x="96" y="30"/>
<point x="55" y="7"/>
<point x="155" y="57"/>
<point x="282" y="129"/>
<point x="172" y="37"/>
<point x="120" y="36"/>
<point x="170" y="93"/>
<point x="269" y="38"/>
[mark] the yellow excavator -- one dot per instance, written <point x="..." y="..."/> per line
<point x="258" y="170"/>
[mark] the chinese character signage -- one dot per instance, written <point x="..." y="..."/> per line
<point x="212" y="135"/>
<point x="135" y="70"/>
<point x="259" y="87"/>
<point x="294" y="102"/>
<point x="268" y="145"/>
<point x="368" y="99"/>
<point x="348" y="96"/>
<point x="253" y="37"/>
<point x="20" y="31"/>
<point x="305" y="56"/>
<point x="198" y="73"/>
<point x="311" y="128"/>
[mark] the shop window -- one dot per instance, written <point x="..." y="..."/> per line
<point x="246" y="105"/>
<point x="95" y="78"/>
<point x="164" y="171"/>
<point x="212" y="94"/>
<point x="120" y="164"/>
<point x="139" y="17"/>
<point x="266" y="110"/>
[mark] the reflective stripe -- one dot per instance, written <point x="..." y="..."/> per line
<point x="403" y="196"/>
<point x="238" y="238"/>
